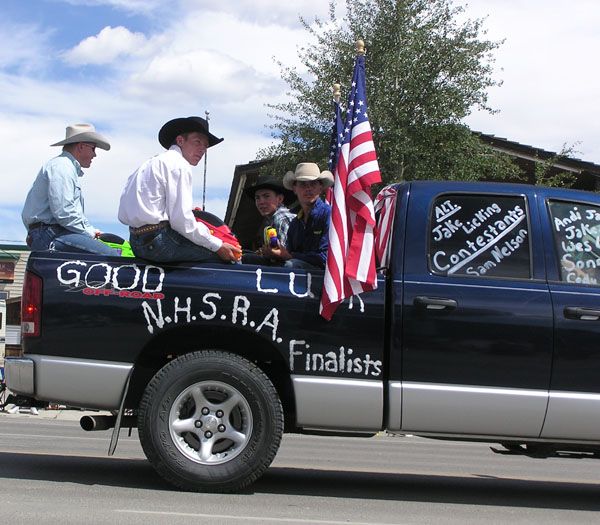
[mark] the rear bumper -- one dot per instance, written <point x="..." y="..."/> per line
<point x="76" y="382"/>
<point x="19" y="375"/>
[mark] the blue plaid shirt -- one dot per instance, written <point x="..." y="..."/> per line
<point x="280" y="220"/>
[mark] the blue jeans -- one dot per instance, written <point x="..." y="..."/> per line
<point x="166" y="245"/>
<point x="250" y="257"/>
<point x="300" y="264"/>
<point x="56" y="238"/>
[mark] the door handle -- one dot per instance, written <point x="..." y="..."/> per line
<point x="582" y="314"/>
<point x="435" y="303"/>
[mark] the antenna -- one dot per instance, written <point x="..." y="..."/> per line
<point x="207" y="114"/>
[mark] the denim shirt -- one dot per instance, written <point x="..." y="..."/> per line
<point x="309" y="241"/>
<point x="55" y="197"/>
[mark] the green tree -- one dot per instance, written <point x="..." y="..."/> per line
<point x="425" y="71"/>
<point x="549" y="173"/>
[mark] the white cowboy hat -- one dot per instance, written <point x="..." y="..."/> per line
<point x="307" y="171"/>
<point x="83" y="133"/>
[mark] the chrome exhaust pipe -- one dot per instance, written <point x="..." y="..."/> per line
<point x="94" y="423"/>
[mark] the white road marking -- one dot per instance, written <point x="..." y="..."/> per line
<point x="46" y="436"/>
<point x="260" y="519"/>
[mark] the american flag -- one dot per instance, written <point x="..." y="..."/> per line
<point x="350" y="267"/>
<point x="337" y="135"/>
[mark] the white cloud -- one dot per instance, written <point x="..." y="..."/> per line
<point x="12" y="229"/>
<point x="23" y="47"/>
<point x="108" y="45"/>
<point x="208" y="75"/>
<point x="263" y="12"/>
<point x="20" y="135"/>
<point x="548" y="97"/>
<point x="250" y="41"/>
<point x="231" y="62"/>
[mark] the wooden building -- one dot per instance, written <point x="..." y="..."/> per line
<point x="587" y="174"/>
<point x="13" y="259"/>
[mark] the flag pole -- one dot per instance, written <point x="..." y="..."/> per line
<point x="360" y="47"/>
<point x="337" y="93"/>
<point x="335" y="138"/>
<point x="207" y="114"/>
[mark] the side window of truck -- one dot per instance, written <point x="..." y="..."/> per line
<point x="576" y="229"/>
<point x="479" y="235"/>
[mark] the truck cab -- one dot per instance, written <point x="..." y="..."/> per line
<point x="495" y="312"/>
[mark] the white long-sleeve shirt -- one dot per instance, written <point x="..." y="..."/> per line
<point x="161" y="190"/>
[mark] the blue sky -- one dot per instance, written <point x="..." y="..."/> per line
<point x="81" y="18"/>
<point x="128" y="66"/>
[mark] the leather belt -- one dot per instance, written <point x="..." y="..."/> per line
<point x="35" y="225"/>
<point x="148" y="228"/>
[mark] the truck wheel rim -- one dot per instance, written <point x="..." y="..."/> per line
<point x="210" y="422"/>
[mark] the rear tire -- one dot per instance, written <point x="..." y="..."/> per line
<point x="210" y="421"/>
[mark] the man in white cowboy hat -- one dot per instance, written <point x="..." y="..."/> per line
<point x="157" y="205"/>
<point x="54" y="210"/>
<point x="308" y="235"/>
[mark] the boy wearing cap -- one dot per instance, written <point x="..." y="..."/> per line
<point x="270" y="199"/>
<point x="308" y="237"/>
<point x="54" y="210"/>
<point x="157" y="205"/>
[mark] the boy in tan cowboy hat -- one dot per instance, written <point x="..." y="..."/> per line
<point x="308" y="235"/>
<point x="53" y="211"/>
<point x="156" y="203"/>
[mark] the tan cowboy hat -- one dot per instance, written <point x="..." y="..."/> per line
<point x="83" y="133"/>
<point x="307" y="171"/>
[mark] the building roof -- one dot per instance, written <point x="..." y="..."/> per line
<point x="535" y="154"/>
<point x="11" y="245"/>
<point x="7" y="251"/>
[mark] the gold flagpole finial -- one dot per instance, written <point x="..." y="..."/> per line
<point x="360" y="47"/>
<point x="337" y="94"/>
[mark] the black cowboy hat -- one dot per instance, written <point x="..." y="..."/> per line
<point x="271" y="184"/>
<point x="178" y="126"/>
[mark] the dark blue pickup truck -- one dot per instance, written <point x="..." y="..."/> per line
<point x="483" y="327"/>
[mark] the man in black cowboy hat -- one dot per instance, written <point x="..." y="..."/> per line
<point x="270" y="199"/>
<point x="157" y="205"/>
